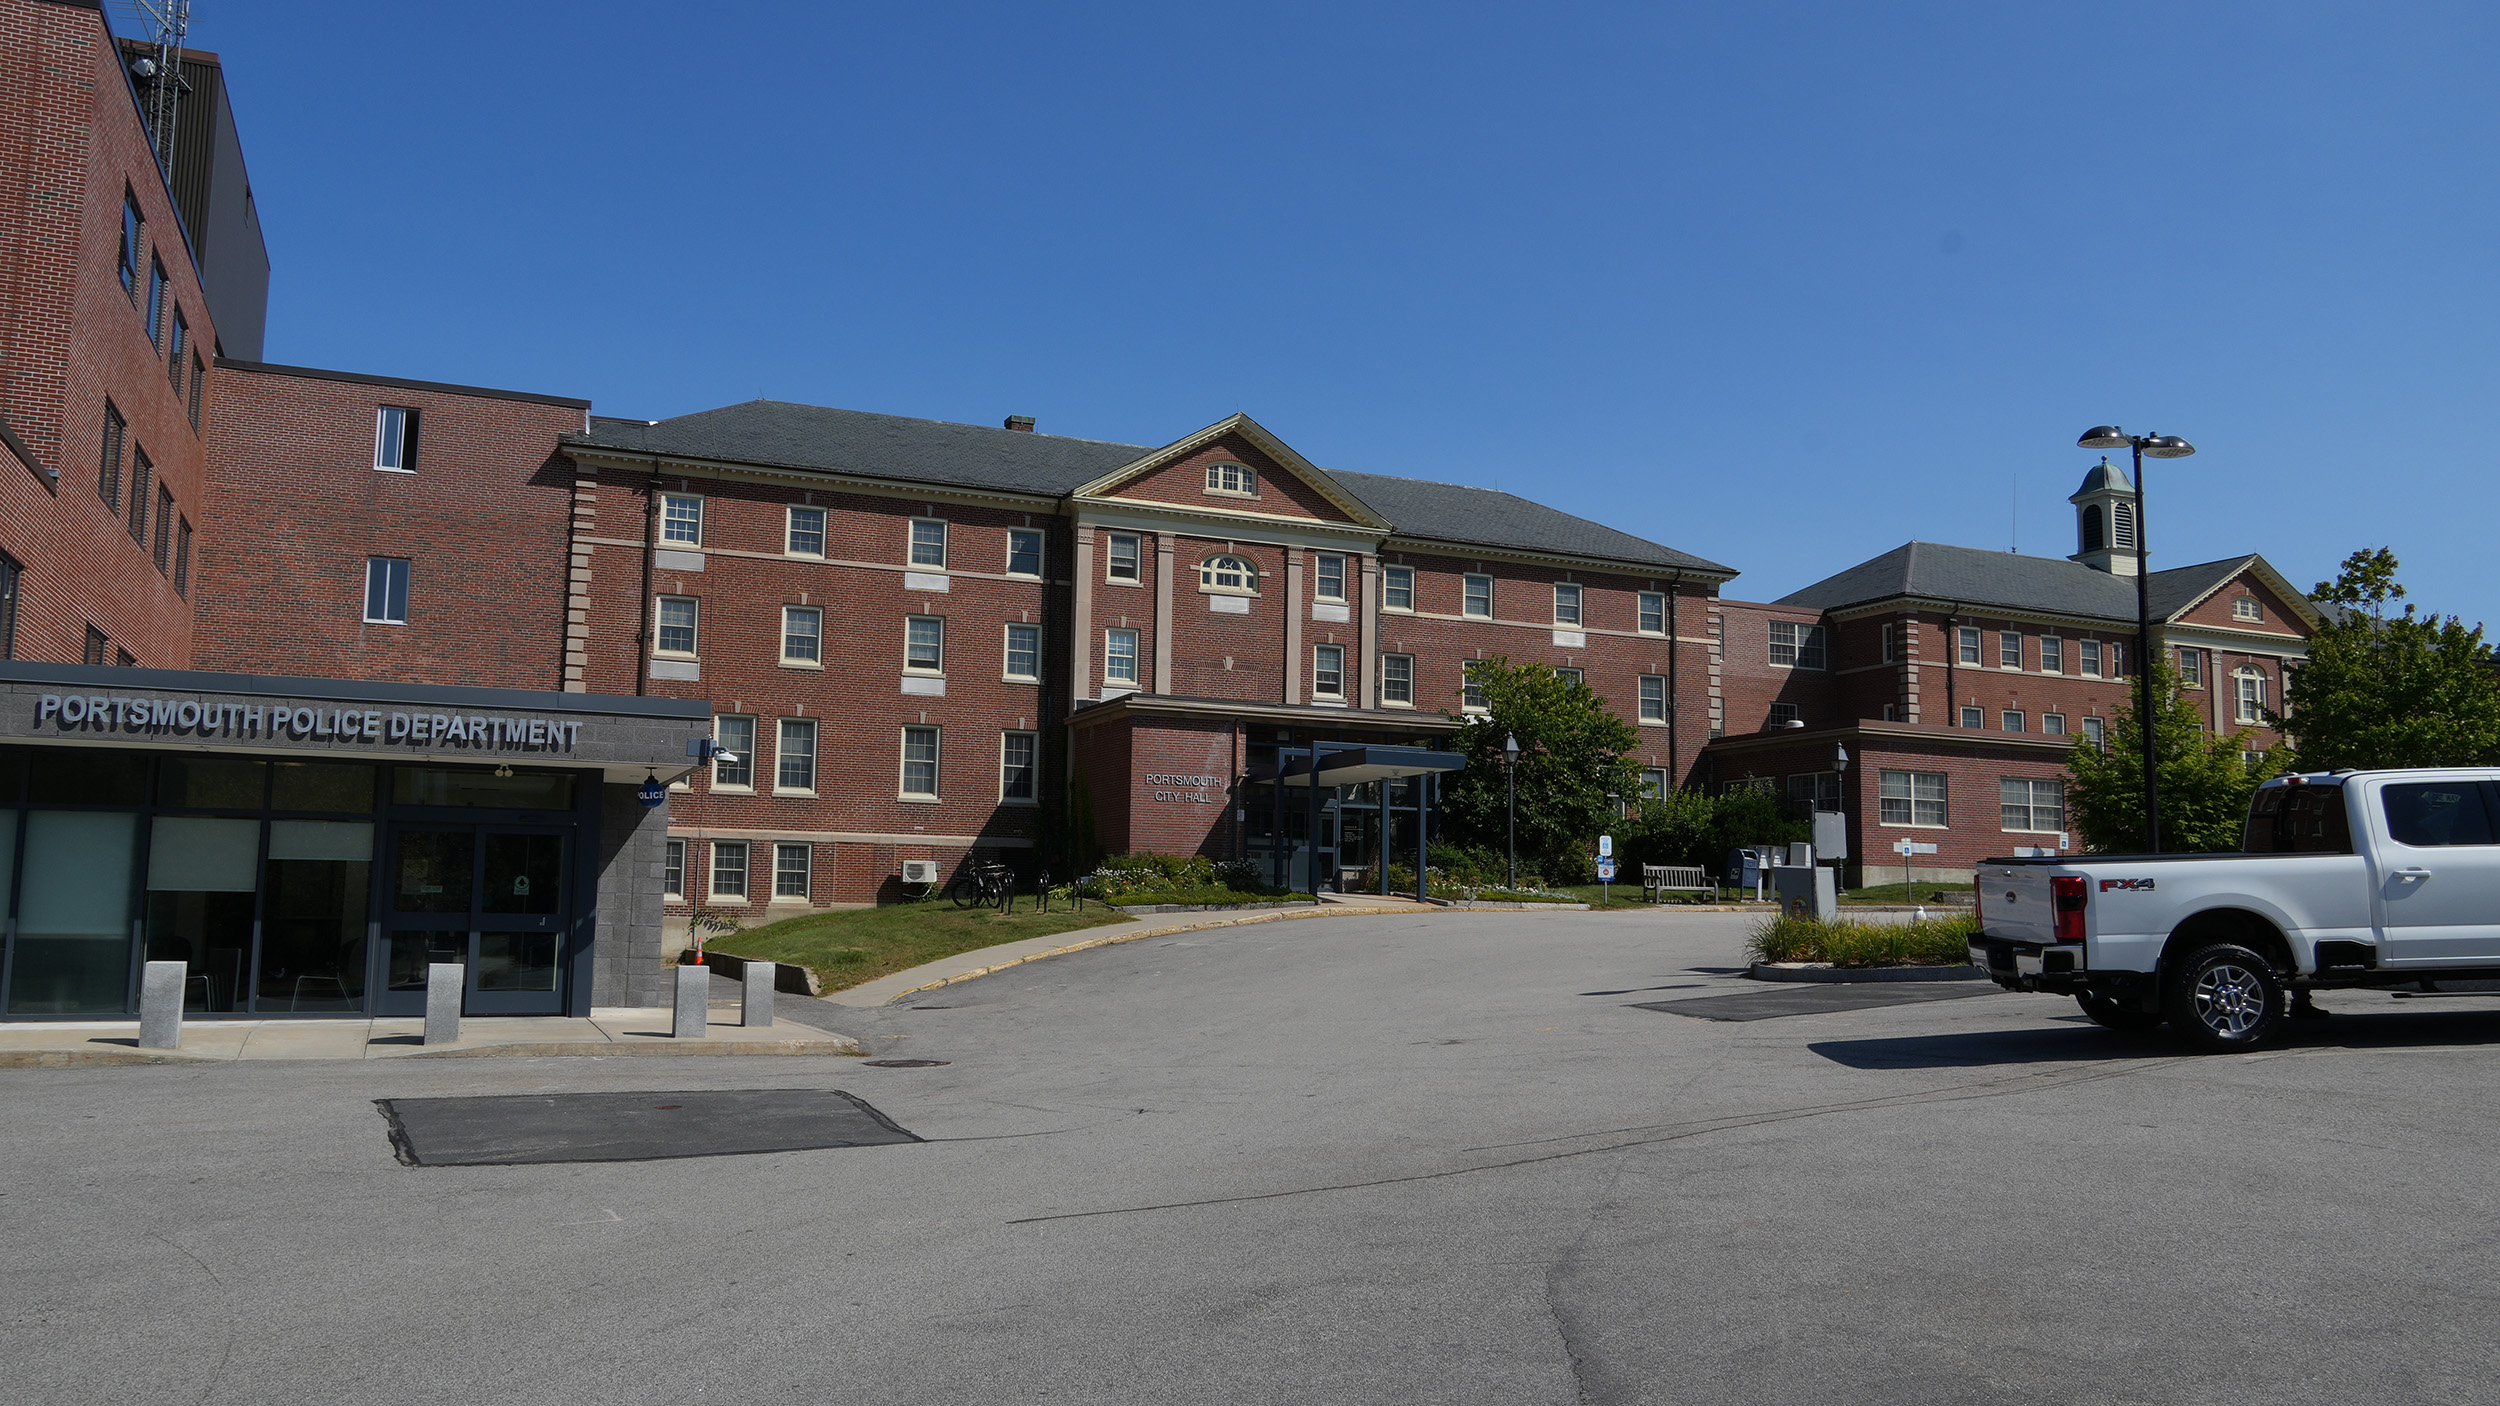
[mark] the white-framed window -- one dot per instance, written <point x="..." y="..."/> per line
<point x="2088" y="658"/>
<point x="673" y="871"/>
<point x="2253" y="758"/>
<point x="2038" y="806"/>
<point x="1578" y="677"/>
<point x="1782" y="714"/>
<point x="1397" y="588"/>
<point x="792" y="866"/>
<point x="924" y="644"/>
<point x="1566" y="604"/>
<point x="1653" y="612"/>
<point x="2246" y="608"/>
<point x="1967" y="642"/>
<point x="386" y="590"/>
<point x="1973" y="718"/>
<point x="1120" y="559"/>
<point x="1018" y="765"/>
<point x="681" y="518"/>
<point x="2191" y="668"/>
<point x="2011" y="720"/>
<point x="2248" y="693"/>
<point x="395" y="438"/>
<point x="678" y="615"/>
<point x="2095" y="732"/>
<point x="1024" y="652"/>
<point x="1478" y="601"/>
<point x="1654" y="783"/>
<point x="1328" y="577"/>
<point x="1328" y="671"/>
<point x="1814" y="790"/>
<point x="1228" y="575"/>
<point x="928" y="543"/>
<point x="1024" y="551"/>
<point x="1232" y="478"/>
<point x="1885" y="644"/>
<point x="794" y="760"/>
<point x="920" y="763"/>
<point x="1653" y="698"/>
<point x="1795" y="645"/>
<point x="729" y="869"/>
<point x="1470" y="689"/>
<point x="804" y="535"/>
<point x="2009" y="650"/>
<point x="1397" y="680"/>
<point x="802" y="635"/>
<point x="2117" y="660"/>
<point x="735" y="733"/>
<point x="1119" y="657"/>
<point x="1911" y="798"/>
<point x="2053" y="724"/>
<point x="2052" y="655"/>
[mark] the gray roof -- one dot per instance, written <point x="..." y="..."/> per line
<point x="779" y="434"/>
<point x="2046" y="585"/>
<point x="1450" y="512"/>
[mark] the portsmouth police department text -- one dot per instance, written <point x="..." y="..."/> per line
<point x="107" y="713"/>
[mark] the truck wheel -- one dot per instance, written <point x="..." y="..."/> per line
<point x="2223" y="997"/>
<point x="2109" y="1013"/>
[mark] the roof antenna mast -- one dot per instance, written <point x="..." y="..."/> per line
<point x="2014" y="513"/>
<point x="160" y="77"/>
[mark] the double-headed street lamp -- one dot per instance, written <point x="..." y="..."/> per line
<point x="2146" y="446"/>
<point x="1510" y="784"/>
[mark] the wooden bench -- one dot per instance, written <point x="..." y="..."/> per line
<point x="1659" y="880"/>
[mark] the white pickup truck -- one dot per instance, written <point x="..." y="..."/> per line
<point x="2355" y="878"/>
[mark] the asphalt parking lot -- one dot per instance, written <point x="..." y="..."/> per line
<point x="1413" y="1159"/>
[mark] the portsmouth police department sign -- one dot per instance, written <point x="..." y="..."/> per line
<point x="136" y="716"/>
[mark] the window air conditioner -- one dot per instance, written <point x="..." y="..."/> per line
<point x="920" y="871"/>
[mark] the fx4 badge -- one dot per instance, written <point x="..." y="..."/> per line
<point x="2128" y="885"/>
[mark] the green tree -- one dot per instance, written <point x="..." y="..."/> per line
<point x="2385" y="690"/>
<point x="2205" y="784"/>
<point x="1572" y="755"/>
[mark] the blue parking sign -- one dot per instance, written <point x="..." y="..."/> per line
<point x="1606" y="870"/>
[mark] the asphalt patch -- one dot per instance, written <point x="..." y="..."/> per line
<point x="1803" y="998"/>
<point x="511" y="1130"/>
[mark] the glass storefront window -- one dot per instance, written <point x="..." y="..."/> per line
<point x="200" y="896"/>
<point x="429" y="786"/>
<point x="332" y="786"/>
<point x="434" y="871"/>
<point x="312" y="934"/>
<point x="524" y="874"/>
<point x="212" y="783"/>
<point x="78" y="776"/>
<point x="73" y="925"/>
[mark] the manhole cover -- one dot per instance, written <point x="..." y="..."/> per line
<point x="905" y="1063"/>
<point x="525" y="1129"/>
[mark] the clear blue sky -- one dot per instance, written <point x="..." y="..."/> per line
<point x="1783" y="285"/>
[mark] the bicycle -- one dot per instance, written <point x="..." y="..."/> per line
<point x="984" y="885"/>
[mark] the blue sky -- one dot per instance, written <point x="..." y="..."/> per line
<point x="1783" y="285"/>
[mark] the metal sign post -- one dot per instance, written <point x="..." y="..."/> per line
<point x="1905" y="849"/>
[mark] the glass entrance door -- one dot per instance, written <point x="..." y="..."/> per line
<point x="490" y="898"/>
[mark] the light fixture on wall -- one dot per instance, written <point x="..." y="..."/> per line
<point x="505" y="770"/>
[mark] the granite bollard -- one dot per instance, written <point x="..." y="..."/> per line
<point x="160" y="1005"/>
<point x="443" y="988"/>
<point x="694" y="997"/>
<point x="755" y="999"/>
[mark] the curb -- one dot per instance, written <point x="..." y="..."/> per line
<point x="91" y="1059"/>
<point x="1767" y="971"/>
<point x="838" y="1045"/>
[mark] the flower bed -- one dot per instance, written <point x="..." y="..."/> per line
<point x="1854" y="942"/>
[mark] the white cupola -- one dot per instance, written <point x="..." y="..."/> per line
<point x="2105" y="521"/>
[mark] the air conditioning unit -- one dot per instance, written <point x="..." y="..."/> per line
<point x="920" y="871"/>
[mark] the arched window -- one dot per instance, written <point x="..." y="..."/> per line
<point x="1230" y="575"/>
<point x="2094" y="530"/>
<point x="1232" y="478"/>
<point x="2122" y="525"/>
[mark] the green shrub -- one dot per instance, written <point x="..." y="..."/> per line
<point x="1855" y="942"/>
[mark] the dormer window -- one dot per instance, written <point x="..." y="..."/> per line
<point x="1228" y="575"/>
<point x="1236" y="479"/>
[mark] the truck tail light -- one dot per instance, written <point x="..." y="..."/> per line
<point x="2066" y="899"/>
<point x="1979" y="900"/>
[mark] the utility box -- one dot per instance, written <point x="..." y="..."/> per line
<point x="1806" y="891"/>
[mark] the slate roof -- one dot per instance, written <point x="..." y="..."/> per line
<point x="779" y="434"/>
<point x="2047" y="585"/>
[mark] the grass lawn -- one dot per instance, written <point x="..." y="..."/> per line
<point x="1217" y="894"/>
<point x="845" y="949"/>
<point x="1921" y="892"/>
<point x="1591" y="894"/>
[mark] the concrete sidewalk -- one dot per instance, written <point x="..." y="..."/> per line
<point x="608" y="1031"/>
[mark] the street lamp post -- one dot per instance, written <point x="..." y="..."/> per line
<point x="1840" y="764"/>
<point x="2157" y="446"/>
<point x="1510" y="785"/>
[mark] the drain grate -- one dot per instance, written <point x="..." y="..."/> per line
<point x="905" y="1063"/>
<point x="528" y="1129"/>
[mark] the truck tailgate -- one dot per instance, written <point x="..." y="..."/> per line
<point x="2014" y="901"/>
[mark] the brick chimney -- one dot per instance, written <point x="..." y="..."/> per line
<point x="1020" y="422"/>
